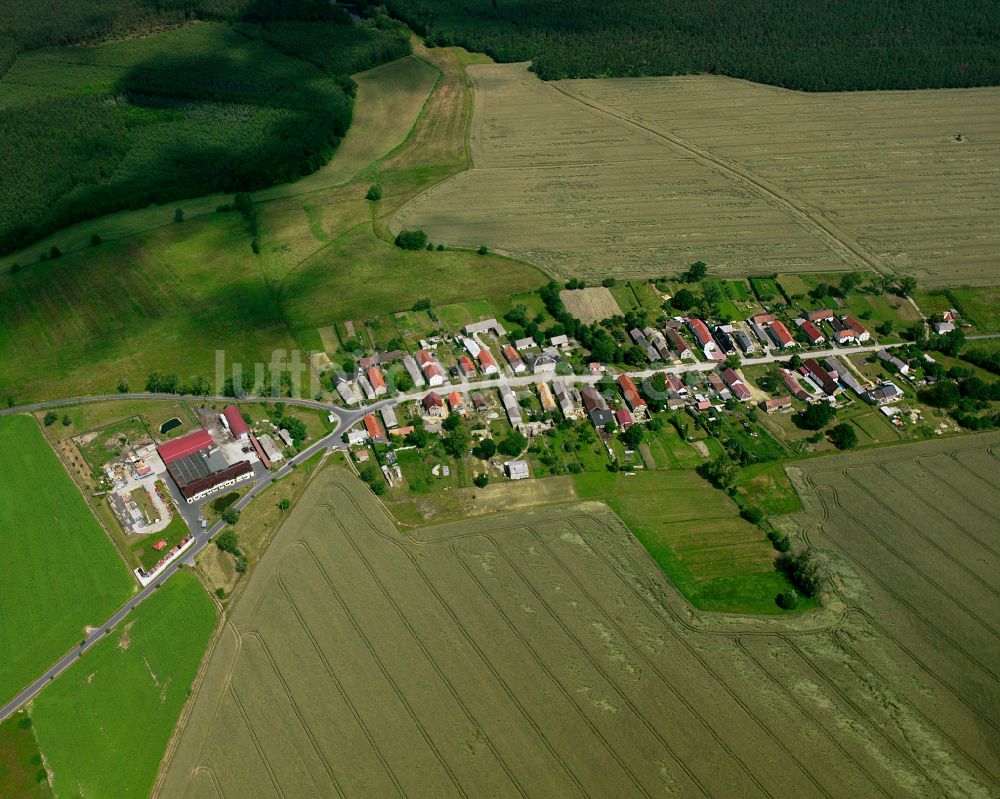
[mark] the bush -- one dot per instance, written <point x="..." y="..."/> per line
<point x="228" y="542"/>
<point x="178" y="214"/>
<point x="411" y="239"/>
<point x="374" y="193"/>
<point x="230" y="516"/>
<point x="787" y="600"/>
<point x="816" y="416"/>
<point x="50" y="418"/>
<point x="481" y="480"/>
<point x="513" y="444"/>
<point x="485" y="449"/>
<point x="482" y="249"/>
<point x="66" y="420"/>
<point x="220" y="593"/>
<point x="802" y="571"/>
<point x="752" y="514"/>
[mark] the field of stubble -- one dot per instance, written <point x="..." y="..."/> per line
<point x="542" y="653"/>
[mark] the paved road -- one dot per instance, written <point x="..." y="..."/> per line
<point x="346" y="419"/>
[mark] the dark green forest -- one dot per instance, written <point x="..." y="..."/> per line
<point x="812" y="45"/>
<point x="214" y="107"/>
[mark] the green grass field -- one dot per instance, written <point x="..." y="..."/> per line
<point x="61" y="572"/>
<point x="22" y="773"/>
<point x="103" y="726"/>
<point x="716" y="559"/>
<point x="980" y="305"/>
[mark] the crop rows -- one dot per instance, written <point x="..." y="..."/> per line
<point x="542" y="653"/>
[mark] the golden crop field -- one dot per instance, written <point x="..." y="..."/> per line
<point x="639" y="177"/>
<point x="542" y="653"/>
<point x="886" y="168"/>
<point x="591" y="304"/>
<point x="579" y="193"/>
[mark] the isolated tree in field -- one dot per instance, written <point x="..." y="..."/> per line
<point x="122" y="386"/>
<point x="695" y="272"/>
<point x="230" y="516"/>
<point x="178" y="214"/>
<point x="50" y="418"/>
<point x="55" y="252"/>
<point x="285" y="504"/>
<point x="843" y="436"/>
<point x="411" y="239"/>
<point x="66" y="421"/>
<point x="483" y="250"/>
<point x="228" y="542"/>
<point x="816" y="416"/>
<point x="374" y="193"/>
<point x="885" y="329"/>
<point x="481" y="480"/>
<point x="850" y="281"/>
<point x="787" y="600"/>
<point x="683" y="300"/>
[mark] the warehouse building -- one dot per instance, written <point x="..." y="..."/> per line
<point x="198" y="468"/>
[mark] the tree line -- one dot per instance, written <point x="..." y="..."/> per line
<point x="800" y="44"/>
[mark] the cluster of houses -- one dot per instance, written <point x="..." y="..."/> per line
<point x="815" y="380"/>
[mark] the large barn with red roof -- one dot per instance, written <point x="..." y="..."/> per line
<point x="197" y="466"/>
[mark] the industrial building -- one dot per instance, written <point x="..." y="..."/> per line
<point x="198" y="468"/>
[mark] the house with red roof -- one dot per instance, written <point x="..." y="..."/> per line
<point x="624" y="419"/>
<point x="822" y="315"/>
<point x="844" y="336"/>
<point x="515" y="360"/>
<point x="700" y="332"/>
<point x="433" y="372"/>
<point x="185" y="445"/>
<point x="433" y="404"/>
<point x="736" y="385"/>
<point x="374" y="429"/>
<point x="631" y="394"/>
<point x="812" y="332"/>
<point x="377" y="381"/>
<point x="772" y="404"/>
<point x="233" y="420"/>
<point x="793" y="385"/>
<point x="860" y="333"/>
<point x="466" y="366"/>
<point x="487" y="363"/>
<point x="456" y="402"/>
<point x="780" y="334"/>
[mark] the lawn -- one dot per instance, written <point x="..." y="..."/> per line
<point x="22" y="774"/>
<point x="766" y="289"/>
<point x="103" y="726"/>
<point x="979" y="306"/>
<point x="61" y="572"/>
<point x="766" y="486"/>
<point x="694" y="532"/>
<point x="173" y="533"/>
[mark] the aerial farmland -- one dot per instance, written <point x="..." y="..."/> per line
<point x="543" y="653"/>
<point x="637" y="177"/>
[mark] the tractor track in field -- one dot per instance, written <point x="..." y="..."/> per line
<point x="849" y="250"/>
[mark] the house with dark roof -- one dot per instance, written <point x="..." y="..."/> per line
<point x="678" y="344"/>
<point x="595" y="406"/>
<point x="821" y="376"/>
<point x="793" y="385"/>
<point x="433" y="404"/>
<point x="736" y="385"/>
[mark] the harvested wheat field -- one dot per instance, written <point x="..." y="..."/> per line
<point x="887" y="168"/>
<point x="639" y="176"/>
<point x="542" y="653"/>
<point x="581" y="193"/>
<point x="590" y="305"/>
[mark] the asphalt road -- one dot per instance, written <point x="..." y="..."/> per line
<point x="346" y="419"/>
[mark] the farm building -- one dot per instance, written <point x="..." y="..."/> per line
<point x="719" y="385"/>
<point x="820" y="376"/>
<point x="546" y="397"/>
<point x="773" y="404"/>
<point x="198" y="468"/>
<point x="487" y="363"/>
<point x="433" y="404"/>
<point x="510" y="405"/>
<point x="523" y="344"/>
<point x="377" y="381"/>
<point x="812" y="332"/>
<point x="736" y="385"/>
<point x="659" y="343"/>
<point x="232" y="419"/>
<point x="270" y="448"/>
<point x="943" y="327"/>
<point x="486" y="326"/>
<point x="844" y="375"/>
<point x="514" y="359"/>
<point x="355" y="437"/>
<point x="388" y="414"/>
<point x="561" y="341"/>
<point x="565" y="399"/>
<point x="365" y="385"/>
<point x="471" y="346"/>
<point x="631" y="394"/>
<point x="285" y="436"/>
<point x="822" y="315"/>
<point x="347" y="392"/>
<point x="893" y="362"/>
<point x="678" y="343"/>
<point x="793" y="385"/>
<point x="410" y="365"/>
<point x="516" y="470"/>
<point x="373" y="429"/>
